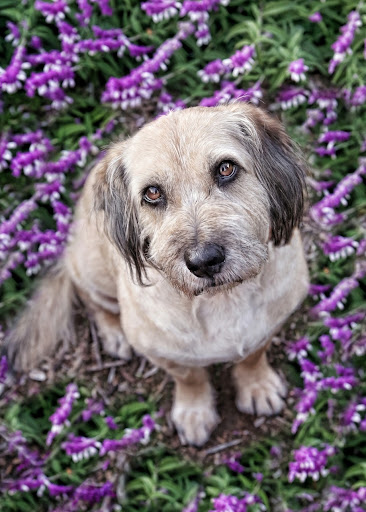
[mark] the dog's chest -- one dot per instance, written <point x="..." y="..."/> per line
<point x="226" y="327"/>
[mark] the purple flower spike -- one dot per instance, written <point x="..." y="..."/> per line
<point x="11" y="78"/>
<point x="161" y="9"/>
<point x="228" y="503"/>
<point x="328" y="349"/>
<point x="139" y="435"/>
<point x="345" y="500"/>
<point x="342" y="46"/>
<point x="54" y="11"/>
<point x="212" y="71"/>
<point x="310" y="463"/>
<point x="323" y="211"/>
<point x="336" y="298"/>
<point x="14" y="36"/>
<point x="80" y="447"/>
<point x="297" y="69"/>
<point x="298" y="349"/>
<point x="241" y="61"/>
<point x="93" y="407"/>
<point x="339" y="247"/>
<point x="291" y="97"/>
<point x="60" y="417"/>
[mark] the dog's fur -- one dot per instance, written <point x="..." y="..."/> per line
<point x="127" y="258"/>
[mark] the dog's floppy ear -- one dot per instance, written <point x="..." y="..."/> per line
<point x="281" y="171"/>
<point x="112" y="196"/>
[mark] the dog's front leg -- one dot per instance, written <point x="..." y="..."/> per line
<point x="194" y="412"/>
<point x="259" y="389"/>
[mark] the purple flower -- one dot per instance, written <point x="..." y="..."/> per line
<point x="228" y="503"/>
<point x="331" y="137"/>
<point x="104" y="7"/>
<point x="359" y="96"/>
<point x="337" y="297"/>
<point x="298" y="349"/>
<point x="14" y="36"/>
<point x="60" y="417"/>
<point x="339" y="247"/>
<point x="316" y="17"/>
<point x="93" y="407"/>
<point x="305" y="405"/>
<point x="328" y="349"/>
<point x="345" y="380"/>
<point x="212" y="71"/>
<point x="323" y="211"/>
<point x="310" y="463"/>
<point x="342" y="46"/>
<point x="92" y="493"/>
<point x="36" y="42"/>
<point x="291" y="97"/>
<point x="345" y="500"/>
<point x="318" y="290"/>
<point x="297" y="69"/>
<point x="258" y="477"/>
<point x="241" y="61"/>
<point x="11" y="78"/>
<point x="202" y="34"/>
<point x="80" y="447"/>
<point x="166" y="103"/>
<point x="132" y="436"/>
<point x="54" y="11"/>
<point x="233" y="463"/>
<point x="351" y="417"/>
<point x="131" y="90"/>
<point x="111" y="423"/>
<point x="161" y="9"/>
<point x="334" y="136"/>
<point x="86" y="11"/>
<point x="59" y="490"/>
<point x="16" y="443"/>
<point x="229" y="91"/>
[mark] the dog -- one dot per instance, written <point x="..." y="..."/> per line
<point x="186" y="247"/>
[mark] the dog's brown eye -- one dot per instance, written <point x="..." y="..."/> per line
<point x="227" y="169"/>
<point x="152" y="194"/>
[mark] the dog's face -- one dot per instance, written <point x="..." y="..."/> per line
<point x="199" y="193"/>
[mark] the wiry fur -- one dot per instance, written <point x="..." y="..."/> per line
<point x="180" y="321"/>
<point x="46" y="320"/>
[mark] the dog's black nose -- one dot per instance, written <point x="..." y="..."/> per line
<point x="205" y="260"/>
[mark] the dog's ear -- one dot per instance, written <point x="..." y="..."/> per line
<point x="281" y="170"/>
<point x="112" y="196"/>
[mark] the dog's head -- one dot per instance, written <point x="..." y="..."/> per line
<point x="199" y="193"/>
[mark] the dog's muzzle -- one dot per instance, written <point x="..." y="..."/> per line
<point x="205" y="260"/>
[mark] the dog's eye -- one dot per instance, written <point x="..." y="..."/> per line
<point x="227" y="169"/>
<point x="152" y="195"/>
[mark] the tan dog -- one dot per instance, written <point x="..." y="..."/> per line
<point x="185" y="247"/>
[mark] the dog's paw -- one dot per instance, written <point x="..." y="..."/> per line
<point x="115" y="344"/>
<point x="265" y="396"/>
<point x="195" y="422"/>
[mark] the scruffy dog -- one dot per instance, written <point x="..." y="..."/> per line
<point x="185" y="246"/>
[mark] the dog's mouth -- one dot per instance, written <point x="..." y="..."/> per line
<point x="214" y="287"/>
